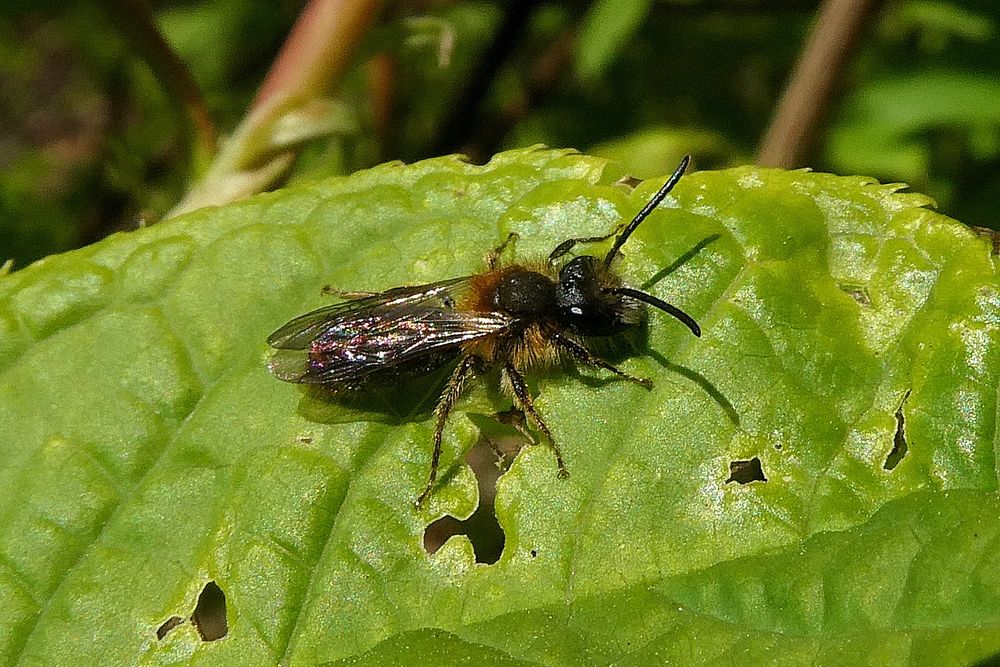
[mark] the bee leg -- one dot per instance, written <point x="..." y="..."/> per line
<point x="569" y="244"/>
<point x="449" y="397"/>
<point x="330" y="290"/>
<point x="493" y="258"/>
<point x="582" y="354"/>
<point x="526" y="405"/>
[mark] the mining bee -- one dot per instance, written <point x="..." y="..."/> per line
<point x="515" y="318"/>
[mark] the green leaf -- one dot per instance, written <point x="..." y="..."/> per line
<point x="147" y="451"/>
<point x="607" y="27"/>
<point x="886" y="122"/>
<point x="657" y="150"/>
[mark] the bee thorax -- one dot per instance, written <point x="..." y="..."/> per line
<point x="525" y="293"/>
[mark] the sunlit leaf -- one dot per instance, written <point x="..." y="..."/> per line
<point x="146" y="450"/>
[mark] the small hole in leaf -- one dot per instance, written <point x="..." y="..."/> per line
<point x="858" y="293"/>
<point x="631" y="182"/>
<point x="482" y="527"/>
<point x="744" y="472"/>
<point x="438" y="532"/>
<point x="209" y="615"/>
<point x="534" y="554"/>
<point x="899" y="446"/>
<point x="167" y="626"/>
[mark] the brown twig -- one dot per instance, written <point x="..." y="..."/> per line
<point x="317" y="51"/>
<point x="792" y="135"/>
<point x="550" y="67"/>
<point x="381" y="96"/>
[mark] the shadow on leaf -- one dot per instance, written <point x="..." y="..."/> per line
<point x="680" y="261"/>
<point x="407" y="399"/>
<point x="703" y="382"/>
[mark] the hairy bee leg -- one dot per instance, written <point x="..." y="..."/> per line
<point x="329" y="290"/>
<point x="569" y="244"/>
<point x="493" y="258"/>
<point x="452" y="391"/>
<point x="526" y="405"/>
<point x="582" y="354"/>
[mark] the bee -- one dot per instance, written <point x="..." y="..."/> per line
<point x="514" y="317"/>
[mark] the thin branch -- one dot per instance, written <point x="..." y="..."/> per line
<point x="790" y="139"/>
<point x="318" y="50"/>
<point x="550" y="67"/>
<point x="381" y="95"/>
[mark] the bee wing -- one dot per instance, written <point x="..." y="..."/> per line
<point x="349" y="341"/>
<point x="299" y="334"/>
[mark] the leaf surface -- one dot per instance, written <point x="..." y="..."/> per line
<point x="147" y="451"/>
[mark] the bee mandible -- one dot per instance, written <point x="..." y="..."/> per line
<point x="515" y="317"/>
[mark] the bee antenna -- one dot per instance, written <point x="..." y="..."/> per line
<point x="647" y="209"/>
<point x="630" y="293"/>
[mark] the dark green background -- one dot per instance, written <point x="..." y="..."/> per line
<point x="91" y="143"/>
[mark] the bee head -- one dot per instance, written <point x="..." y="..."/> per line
<point x="590" y="299"/>
<point x="585" y="303"/>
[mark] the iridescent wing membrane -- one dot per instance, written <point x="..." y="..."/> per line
<point x="349" y="342"/>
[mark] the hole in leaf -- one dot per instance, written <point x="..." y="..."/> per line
<point x="631" y="182"/>
<point x="859" y="293"/>
<point x="167" y="626"/>
<point x="744" y="472"/>
<point x="482" y="527"/>
<point x="899" y="446"/>
<point x="209" y="615"/>
<point x="534" y="553"/>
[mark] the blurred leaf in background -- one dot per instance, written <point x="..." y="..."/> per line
<point x="54" y="118"/>
<point x="95" y="142"/>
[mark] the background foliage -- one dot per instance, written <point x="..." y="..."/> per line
<point x="93" y="141"/>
